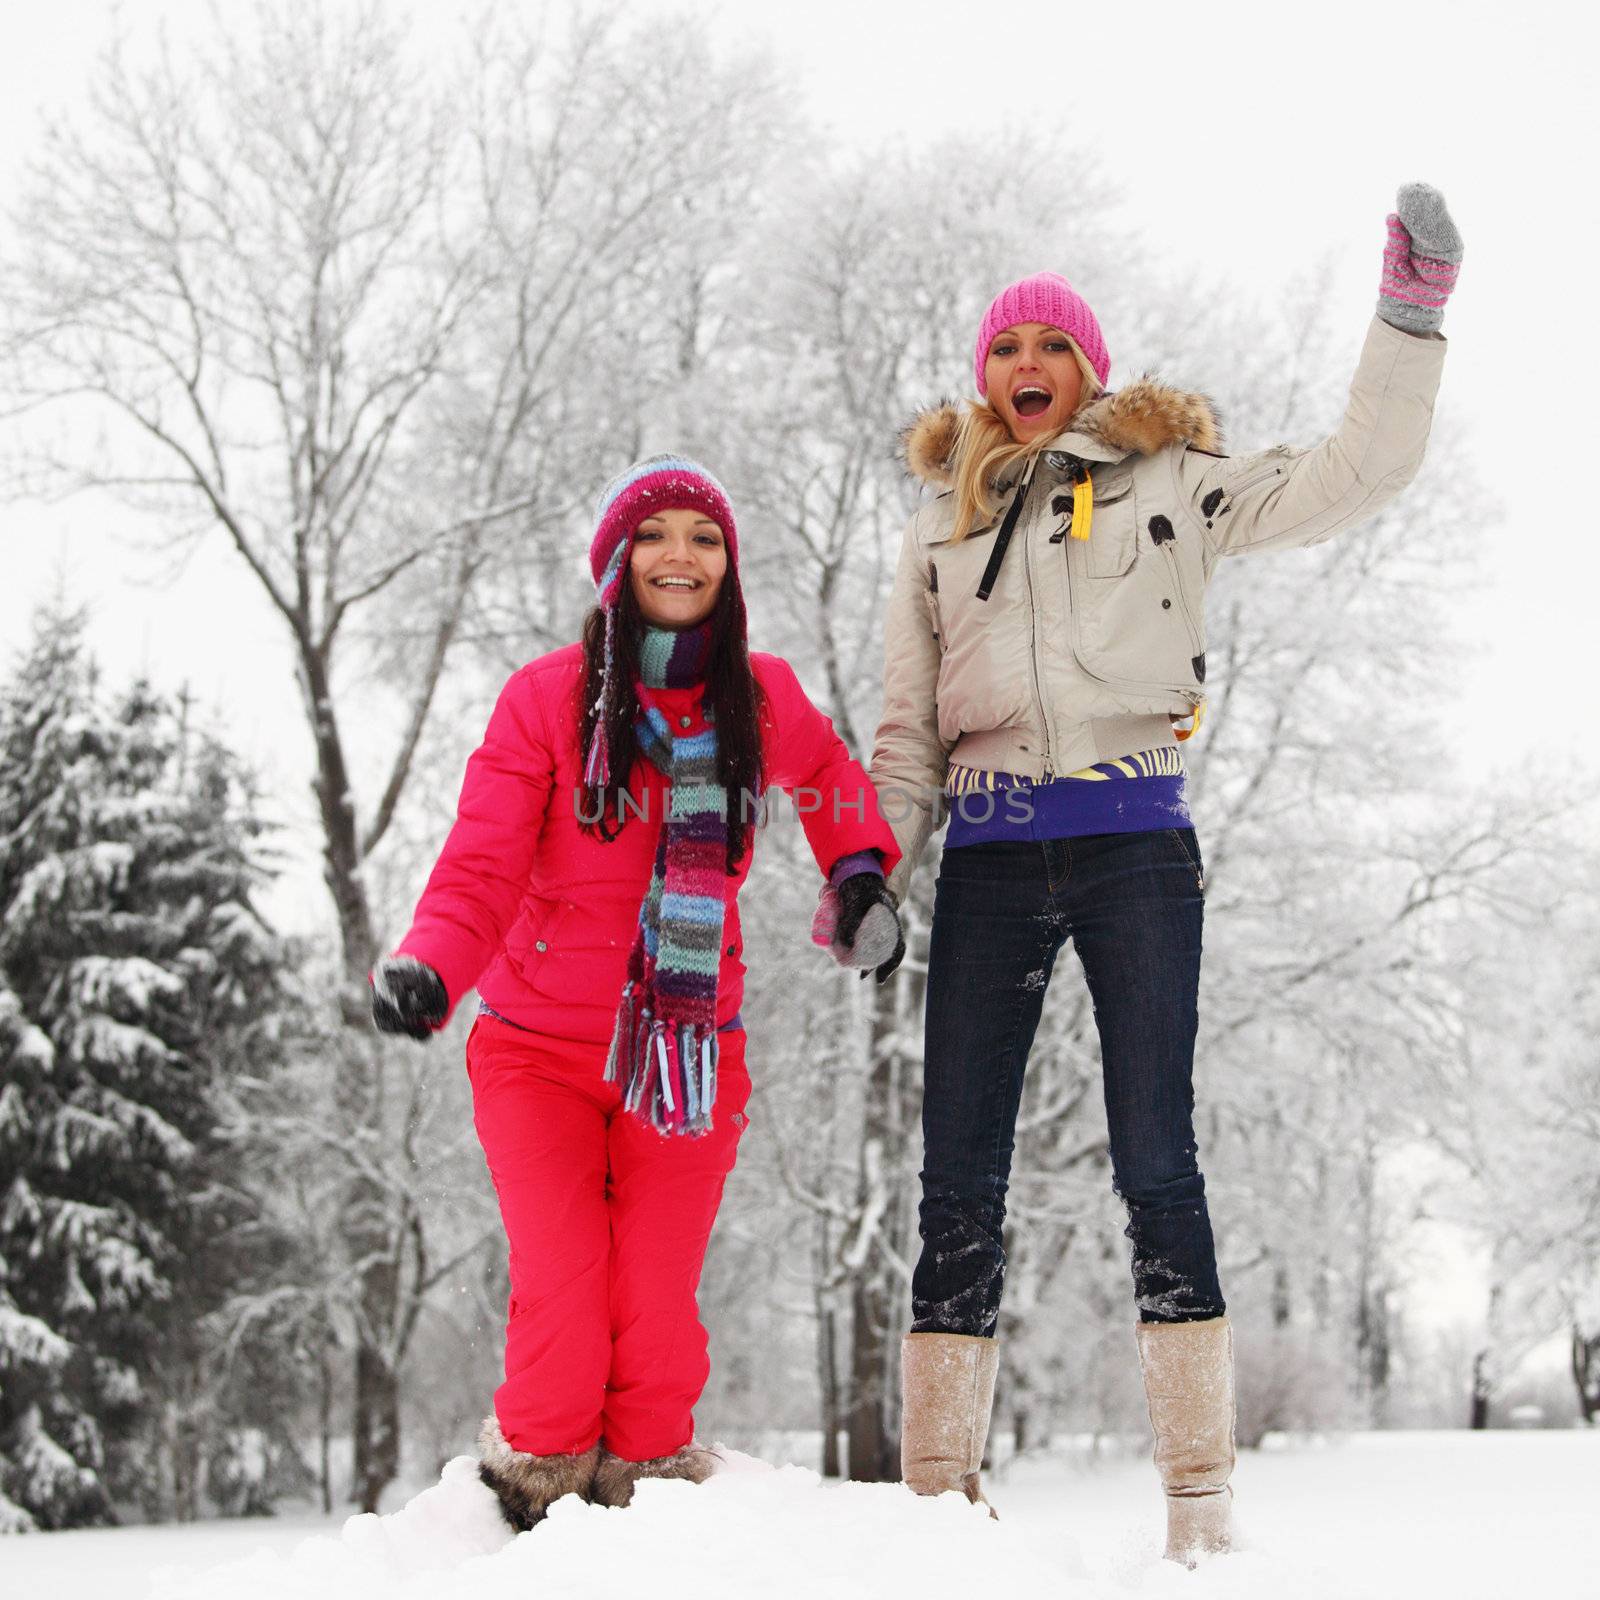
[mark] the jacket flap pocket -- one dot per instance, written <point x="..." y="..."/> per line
<point x="1113" y="529"/>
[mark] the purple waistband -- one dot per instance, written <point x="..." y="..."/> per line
<point x="1068" y="808"/>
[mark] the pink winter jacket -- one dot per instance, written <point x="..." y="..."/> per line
<point x="539" y="915"/>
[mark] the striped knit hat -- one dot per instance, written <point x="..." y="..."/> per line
<point x="657" y="483"/>
<point x="1046" y="297"/>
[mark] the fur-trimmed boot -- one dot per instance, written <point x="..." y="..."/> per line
<point x="614" y="1478"/>
<point x="947" y="1391"/>
<point x="1188" y="1382"/>
<point x="529" y="1485"/>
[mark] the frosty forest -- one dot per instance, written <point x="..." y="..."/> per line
<point x="380" y="322"/>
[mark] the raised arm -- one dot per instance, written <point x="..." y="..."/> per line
<point x="1282" y="498"/>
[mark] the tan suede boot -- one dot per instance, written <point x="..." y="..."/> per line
<point x="947" y="1389"/>
<point x="614" y="1478"/>
<point x="1188" y="1382"/>
<point x="529" y="1485"/>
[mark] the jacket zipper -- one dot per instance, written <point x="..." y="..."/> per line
<point x="1183" y="603"/>
<point x="1033" y="644"/>
<point x="1250" y="483"/>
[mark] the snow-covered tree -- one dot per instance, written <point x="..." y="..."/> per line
<point x="136" y="976"/>
<point x="1517" y="1121"/>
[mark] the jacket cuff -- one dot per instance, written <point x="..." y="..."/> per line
<point x="853" y="865"/>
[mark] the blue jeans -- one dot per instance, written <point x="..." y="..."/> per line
<point x="1133" y="906"/>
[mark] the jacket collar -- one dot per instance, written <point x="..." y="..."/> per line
<point x="1142" y="418"/>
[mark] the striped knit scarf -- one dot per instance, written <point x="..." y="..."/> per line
<point x="664" y="1047"/>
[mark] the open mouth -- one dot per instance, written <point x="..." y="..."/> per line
<point x="684" y="585"/>
<point x="1031" y="400"/>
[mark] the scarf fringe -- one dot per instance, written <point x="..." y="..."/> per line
<point x="668" y="1075"/>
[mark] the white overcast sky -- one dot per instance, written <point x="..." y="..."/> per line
<point x="1259" y="137"/>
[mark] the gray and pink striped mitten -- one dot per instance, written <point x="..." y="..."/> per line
<point x="1420" y="262"/>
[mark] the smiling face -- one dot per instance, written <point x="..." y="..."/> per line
<point x="678" y="562"/>
<point x="1033" y="380"/>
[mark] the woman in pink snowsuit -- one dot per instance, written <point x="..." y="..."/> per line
<point x="588" y="890"/>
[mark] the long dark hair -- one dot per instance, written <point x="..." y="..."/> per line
<point x="733" y="700"/>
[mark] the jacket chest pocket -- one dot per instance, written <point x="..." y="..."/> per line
<point x="1113" y="531"/>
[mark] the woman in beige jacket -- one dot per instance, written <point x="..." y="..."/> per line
<point x="1045" y="658"/>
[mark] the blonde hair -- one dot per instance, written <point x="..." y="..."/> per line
<point x="985" y="452"/>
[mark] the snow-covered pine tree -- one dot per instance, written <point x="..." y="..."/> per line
<point x="134" y="975"/>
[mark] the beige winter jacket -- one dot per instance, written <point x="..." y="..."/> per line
<point x="1085" y="650"/>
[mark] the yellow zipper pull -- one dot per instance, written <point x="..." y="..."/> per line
<point x="1082" y="505"/>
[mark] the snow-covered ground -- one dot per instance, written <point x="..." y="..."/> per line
<point x="1380" y="1515"/>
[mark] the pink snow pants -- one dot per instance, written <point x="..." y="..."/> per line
<point x="608" y="1223"/>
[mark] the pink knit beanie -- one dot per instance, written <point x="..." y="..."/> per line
<point x="1046" y="297"/>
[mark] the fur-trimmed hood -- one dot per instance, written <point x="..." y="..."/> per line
<point x="1142" y="418"/>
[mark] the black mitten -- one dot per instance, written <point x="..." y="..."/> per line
<point x="408" y="997"/>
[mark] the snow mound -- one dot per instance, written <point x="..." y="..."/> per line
<point x="752" y="1530"/>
